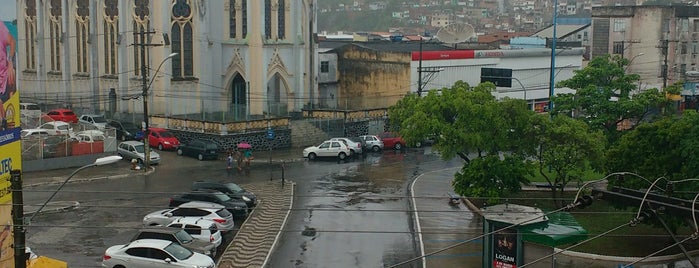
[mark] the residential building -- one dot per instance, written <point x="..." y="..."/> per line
<point x="660" y="41"/>
<point x="234" y="57"/>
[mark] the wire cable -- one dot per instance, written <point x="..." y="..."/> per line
<point x="693" y="236"/>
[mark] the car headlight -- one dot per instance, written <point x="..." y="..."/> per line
<point x="167" y="142"/>
<point x="246" y="199"/>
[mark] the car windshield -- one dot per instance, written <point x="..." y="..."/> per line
<point x="179" y="252"/>
<point x="211" y="146"/>
<point x="184" y="237"/>
<point x="166" y="134"/>
<point x="128" y="125"/>
<point x="32" y="107"/>
<point x="223" y="213"/>
<point x="139" y="148"/>
<point x="99" y="119"/>
<point x="221" y="196"/>
<point x="234" y="187"/>
<point x="63" y="127"/>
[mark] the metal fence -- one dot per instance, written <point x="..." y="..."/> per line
<point x="53" y="146"/>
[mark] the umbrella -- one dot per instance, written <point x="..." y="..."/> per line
<point x="244" y="145"/>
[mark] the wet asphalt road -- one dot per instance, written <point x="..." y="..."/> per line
<point x="355" y="213"/>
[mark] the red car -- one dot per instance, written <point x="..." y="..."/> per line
<point x="392" y="140"/>
<point x="163" y="139"/>
<point x="65" y="115"/>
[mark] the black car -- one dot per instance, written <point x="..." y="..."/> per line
<point x="201" y="149"/>
<point x="231" y="189"/>
<point x="125" y="130"/>
<point x="238" y="208"/>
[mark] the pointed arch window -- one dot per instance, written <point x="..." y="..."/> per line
<point x="141" y="23"/>
<point x="55" y="41"/>
<point x="111" y="33"/>
<point x="182" y="39"/>
<point x="268" y="19"/>
<point x="82" y="26"/>
<point x="30" y="34"/>
<point x="238" y="19"/>
<point x="281" y="20"/>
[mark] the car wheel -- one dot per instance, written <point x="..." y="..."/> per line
<point x="179" y="152"/>
<point x="119" y="266"/>
<point x="376" y="149"/>
<point x="200" y="157"/>
<point x="418" y="144"/>
<point x="311" y="156"/>
<point x="342" y="156"/>
<point x="398" y="146"/>
<point x="160" y="146"/>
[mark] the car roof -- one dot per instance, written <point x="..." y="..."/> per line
<point x="157" y="243"/>
<point x="156" y="129"/>
<point x="92" y="132"/>
<point x="133" y="142"/>
<point x="194" y="221"/>
<point x="61" y="110"/>
<point x="202" y="205"/>
<point x="56" y="123"/>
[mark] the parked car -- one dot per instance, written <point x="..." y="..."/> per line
<point x="201" y="229"/>
<point x="200" y="210"/>
<point x="29" y="110"/>
<point x="373" y="142"/>
<point x="200" y="149"/>
<point x="238" y="208"/>
<point x="354" y="146"/>
<point x="33" y="132"/>
<point x="136" y="150"/>
<point x="65" y="115"/>
<point x="231" y="189"/>
<point x="162" y="139"/>
<point x="327" y="149"/>
<point x="57" y="128"/>
<point x="179" y="236"/>
<point x="154" y="253"/>
<point x="90" y="136"/>
<point x="95" y="120"/>
<point x="125" y="130"/>
<point x="392" y="140"/>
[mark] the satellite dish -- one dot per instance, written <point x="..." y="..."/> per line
<point x="456" y="33"/>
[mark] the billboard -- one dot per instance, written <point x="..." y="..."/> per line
<point x="10" y="147"/>
<point x="505" y="248"/>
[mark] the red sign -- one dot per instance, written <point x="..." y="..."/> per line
<point x="444" y="55"/>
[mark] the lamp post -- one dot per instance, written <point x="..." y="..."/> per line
<point x="98" y="162"/>
<point x="633" y="58"/>
<point x="146" y="86"/>
<point x="553" y="54"/>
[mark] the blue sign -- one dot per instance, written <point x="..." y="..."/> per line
<point x="270" y="134"/>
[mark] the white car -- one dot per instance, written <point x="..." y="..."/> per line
<point x="90" y="136"/>
<point x="355" y="147"/>
<point x="200" y="229"/>
<point x="57" y="128"/>
<point x="136" y="150"/>
<point x="197" y="209"/>
<point x="327" y="149"/>
<point x="154" y="253"/>
<point x="33" y="132"/>
<point x="96" y="120"/>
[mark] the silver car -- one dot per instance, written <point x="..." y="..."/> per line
<point x="373" y="142"/>
<point x="135" y="150"/>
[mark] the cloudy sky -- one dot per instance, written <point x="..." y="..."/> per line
<point x="8" y="9"/>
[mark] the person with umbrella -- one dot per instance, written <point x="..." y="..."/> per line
<point x="239" y="156"/>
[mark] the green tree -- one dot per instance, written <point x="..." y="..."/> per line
<point x="604" y="96"/>
<point x="567" y="150"/>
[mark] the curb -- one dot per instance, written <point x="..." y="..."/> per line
<point x="60" y="180"/>
<point x="65" y="205"/>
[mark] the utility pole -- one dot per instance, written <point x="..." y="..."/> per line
<point x="664" y="48"/>
<point x="552" y="76"/>
<point x="144" y="75"/>
<point x="419" y="72"/>
<point x="18" y="218"/>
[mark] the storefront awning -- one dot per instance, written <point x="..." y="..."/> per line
<point x="561" y="229"/>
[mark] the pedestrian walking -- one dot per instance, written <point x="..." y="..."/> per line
<point x="229" y="161"/>
<point x="239" y="160"/>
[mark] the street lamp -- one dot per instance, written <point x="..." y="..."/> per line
<point x="146" y="86"/>
<point x="633" y="58"/>
<point x="98" y="162"/>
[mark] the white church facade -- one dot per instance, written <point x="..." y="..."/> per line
<point x="226" y="60"/>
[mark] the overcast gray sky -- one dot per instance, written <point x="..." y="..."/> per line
<point x="8" y="9"/>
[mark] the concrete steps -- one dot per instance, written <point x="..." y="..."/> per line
<point x="304" y="133"/>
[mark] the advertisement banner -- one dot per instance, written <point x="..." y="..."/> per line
<point x="505" y="249"/>
<point x="10" y="147"/>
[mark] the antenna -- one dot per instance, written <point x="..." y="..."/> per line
<point x="456" y="33"/>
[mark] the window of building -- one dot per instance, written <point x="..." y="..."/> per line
<point x="182" y="42"/>
<point x="111" y="33"/>
<point x="141" y="23"/>
<point x="619" y="25"/>
<point x="618" y="48"/>
<point x="55" y="30"/>
<point x="268" y="19"/>
<point x="324" y="66"/>
<point x="281" y="23"/>
<point x="82" y="26"/>
<point x="238" y="16"/>
<point x="683" y="48"/>
<point x="232" y="17"/>
<point x="696" y="25"/>
<point x="244" y="19"/>
<point x="30" y="34"/>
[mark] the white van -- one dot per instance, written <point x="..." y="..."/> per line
<point x="29" y="110"/>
